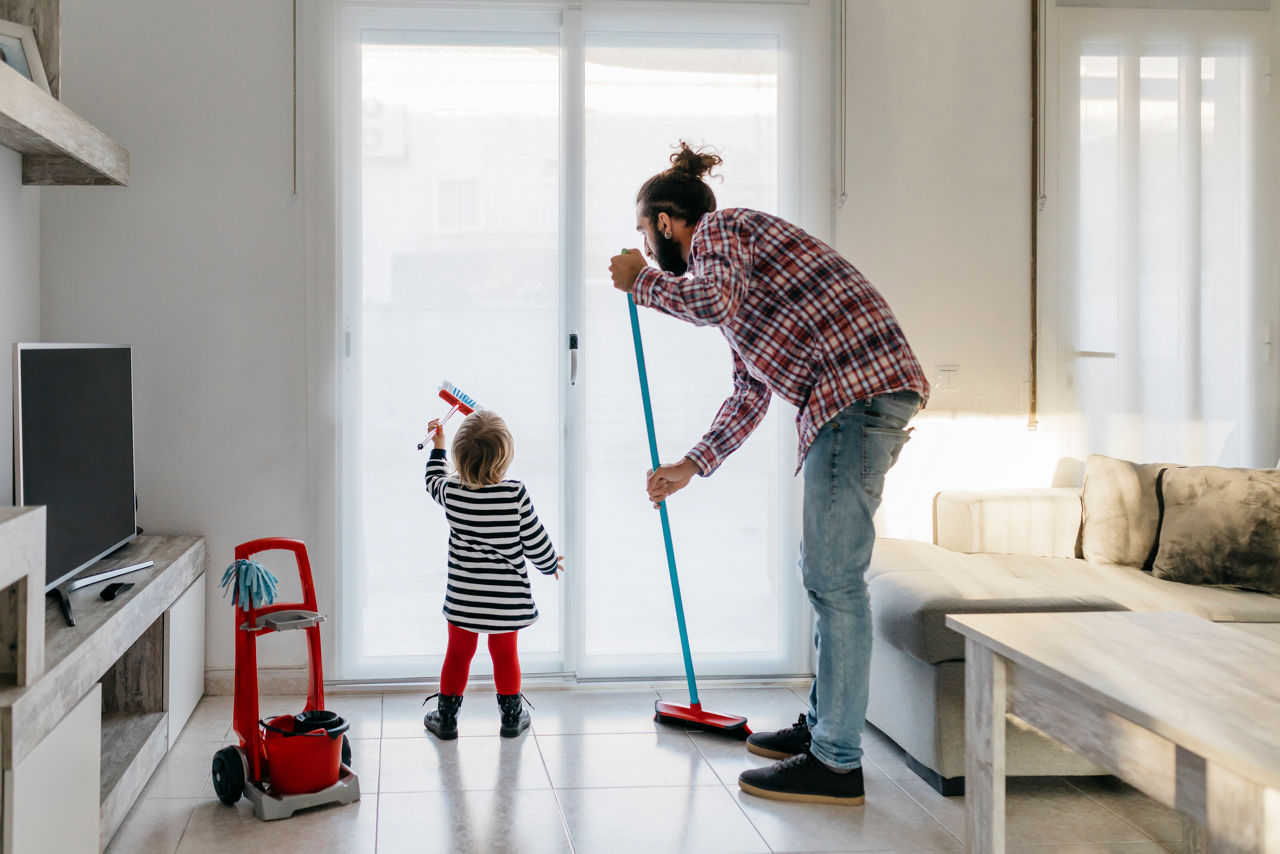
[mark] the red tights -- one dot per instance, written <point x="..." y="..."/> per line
<point x="462" y="648"/>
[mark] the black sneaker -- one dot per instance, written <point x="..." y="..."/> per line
<point x="804" y="778"/>
<point x="783" y="743"/>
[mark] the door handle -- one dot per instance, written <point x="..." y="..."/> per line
<point x="573" y="358"/>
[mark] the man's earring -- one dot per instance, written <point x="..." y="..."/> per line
<point x="667" y="235"/>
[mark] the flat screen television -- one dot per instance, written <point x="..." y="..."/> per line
<point x="73" y="451"/>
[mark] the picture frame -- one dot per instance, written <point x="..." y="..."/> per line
<point x="18" y="50"/>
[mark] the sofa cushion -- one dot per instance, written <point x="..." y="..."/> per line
<point x="1120" y="511"/>
<point x="1221" y="526"/>
<point x="1266" y="631"/>
<point x="1141" y="591"/>
<point x="914" y="585"/>
<point x="1008" y="521"/>
<point x="893" y="556"/>
<point x="909" y="608"/>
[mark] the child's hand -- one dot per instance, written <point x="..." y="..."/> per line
<point x="559" y="566"/>
<point x="437" y="438"/>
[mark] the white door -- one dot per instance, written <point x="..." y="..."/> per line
<point x="646" y="88"/>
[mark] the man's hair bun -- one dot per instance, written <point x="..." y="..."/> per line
<point x="680" y="191"/>
<point x="686" y="162"/>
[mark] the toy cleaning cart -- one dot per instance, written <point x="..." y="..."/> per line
<point x="289" y="762"/>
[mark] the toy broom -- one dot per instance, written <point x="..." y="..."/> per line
<point x="458" y="400"/>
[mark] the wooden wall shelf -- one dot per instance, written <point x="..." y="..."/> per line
<point x="58" y="147"/>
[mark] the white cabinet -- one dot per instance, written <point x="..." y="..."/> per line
<point x="51" y="796"/>
<point x="184" y="657"/>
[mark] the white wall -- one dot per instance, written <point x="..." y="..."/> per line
<point x="939" y="156"/>
<point x="198" y="265"/>
<point x="938" y="218"/>
<point x="19" y="292"/>
<point x="1269" y="434"/>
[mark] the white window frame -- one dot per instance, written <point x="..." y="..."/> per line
<point x="1065" y="24"/>
<point x="808" y="199"/>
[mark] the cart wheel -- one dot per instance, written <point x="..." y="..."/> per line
<point x="228" y="775"/>
<point x="346" y="752"/>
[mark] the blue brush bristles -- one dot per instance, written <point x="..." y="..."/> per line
<point x="461" y="395"/>
<point x="248" y="578"/>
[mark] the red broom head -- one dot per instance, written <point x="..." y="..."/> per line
<point x="693" y="717"/>
<point x="455" y="396"/>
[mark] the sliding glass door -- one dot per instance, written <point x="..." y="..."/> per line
<point x="489" y="169"/>
<point x="644" y="91"/>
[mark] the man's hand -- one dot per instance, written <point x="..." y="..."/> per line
<point x="669" y="479"/>
<point x="625" y="267"/>
<point x="437" y="438"/>
<point x="559" y="566"/>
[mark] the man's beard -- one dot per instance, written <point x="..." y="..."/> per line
<point x="669" y="256"/>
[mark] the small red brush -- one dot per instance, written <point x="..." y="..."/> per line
<point x="458" y="400"/>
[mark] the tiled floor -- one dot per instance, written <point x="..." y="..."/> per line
<point x="597" y="774"/>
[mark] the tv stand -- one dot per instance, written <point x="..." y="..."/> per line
<point x="88" y="714"/>
<point x="62" y="591"/>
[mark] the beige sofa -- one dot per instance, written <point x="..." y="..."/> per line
<point x="999" y="551"/>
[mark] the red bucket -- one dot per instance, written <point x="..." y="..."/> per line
<point x="303" y="756"/>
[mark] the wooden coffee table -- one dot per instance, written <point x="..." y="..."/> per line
<point x="1186" y="710"/>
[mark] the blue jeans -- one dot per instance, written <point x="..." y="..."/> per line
<point x="843" y="481"/>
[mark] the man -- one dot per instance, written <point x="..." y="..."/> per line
<point x="804" y="324"/>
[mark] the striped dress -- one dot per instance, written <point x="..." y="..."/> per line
<point x="492" y="530"/>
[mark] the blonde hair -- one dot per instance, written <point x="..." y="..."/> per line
<point x="482" y="449"/>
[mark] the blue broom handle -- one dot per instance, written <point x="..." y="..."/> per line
<point x="662" y="508"/>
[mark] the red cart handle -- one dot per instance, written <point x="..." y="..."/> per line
<point x="245" y="550"/>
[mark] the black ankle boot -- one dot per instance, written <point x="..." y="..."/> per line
<point x="515" y="717"/>
<point x="443" y="722"/>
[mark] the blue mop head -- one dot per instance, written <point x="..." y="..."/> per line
<point x="252" y="579"/>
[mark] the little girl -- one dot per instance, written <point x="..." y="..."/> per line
<point x="492" y="530"/>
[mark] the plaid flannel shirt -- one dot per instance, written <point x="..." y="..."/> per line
<point x="802" y="323"/>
